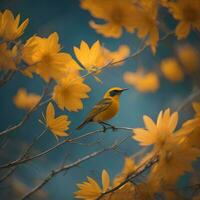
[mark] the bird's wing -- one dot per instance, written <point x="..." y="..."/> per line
<point x="98" y="108"/>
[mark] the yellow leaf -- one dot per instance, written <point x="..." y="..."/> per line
<point x="24" y="100"/>
<point x="57" y="125"/>
<point x="70" y="91"/>
<point x="105" y="180"/>
<point x="9" y="26"/>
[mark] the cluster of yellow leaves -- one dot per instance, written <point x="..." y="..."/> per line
<point x="10" y="30"/>
<point x="69" y="91"/>
<point x="44" y="58"/>
<point x="146" y="21"/>
<point x="9" y="26"/>
<point x="57" y="125"/>
<point x="91" y="190"/>
<point x="95" y="58"/>
<point x="139" y="15"/>
<point x="24" y="100"/>
<point x="187" y="12"/>
<point x="142" y="16"/>
<point x="117" y="14"/>
<point x="175" y="153"/>
<point x="187" y="62"/>
<point x="141" y="81"/>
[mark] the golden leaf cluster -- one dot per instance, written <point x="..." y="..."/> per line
<point x="24" y="100"/>
<point x="91" y="189"/>
<point x="186" y="62"/>
<point x="142" y="81"/>
<point x="142" y="16"/>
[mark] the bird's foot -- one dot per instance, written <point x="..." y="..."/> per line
<point x="104" y="128"/>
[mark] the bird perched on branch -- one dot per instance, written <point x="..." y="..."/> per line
<point x="105" y="109"/>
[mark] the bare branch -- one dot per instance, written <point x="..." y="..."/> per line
<point x="69" y="166"/>
<point x="21" y="161"/>
<point x="23" y="156"/>
<point x="188" y="100"/>
<point x="6" y="77"/>
<point x="26" y="116"/>
<point x="140" y="50"/>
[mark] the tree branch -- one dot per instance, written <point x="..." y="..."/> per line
<point x="21" y="161"/>
<point x="132" y="176"/>
<point x="26" y="116"/>
<point x="69" y="166"/>
<point x="140" y="50"/>
<point x="23" y="156"/>
<point x="188" y="100"/>
<point x="6" y="77"/>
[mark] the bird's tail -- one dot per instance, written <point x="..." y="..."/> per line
<point x="81" y="125"/>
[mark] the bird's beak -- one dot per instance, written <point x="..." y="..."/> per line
<point x="124" y="89"/>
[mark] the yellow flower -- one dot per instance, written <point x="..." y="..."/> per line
<point x="187" y="12"/>
<point x="175" y="155"/>
<point x="89" y="57"/>
<point x="23" y="100"/>
<point x="143" y="82"/>
<point x="57" y="125"/>
<point x="69" y="92"/>
<point x="9" y="60"/>
<point x="90" y="190"/>
<point x="44" y="57"/>
<point x="189" y="57"/>
<point x="117" y="15"/>
<point x="9" y="26"/>
<point x="172" y="70"/>
<point x="158" y="133"/>
<point x="146" y="19"/>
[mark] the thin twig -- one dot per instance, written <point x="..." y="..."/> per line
<point x="137" y="53"/>
<point x="188" y="100"/>
<point x="19" y="162"/>
<point x="23" y="156"/>
<point x="68" y="166"/>
<point x="132" y="176"/>
<point x="7" y="76"/>
<point x="26" y="116"/>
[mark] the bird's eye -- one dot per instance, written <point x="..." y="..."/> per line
<point x="113" y="93"/>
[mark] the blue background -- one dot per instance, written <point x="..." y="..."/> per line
<point x="71" y="22"/>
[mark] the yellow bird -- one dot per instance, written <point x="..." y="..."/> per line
<point x="105" y="109"/>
